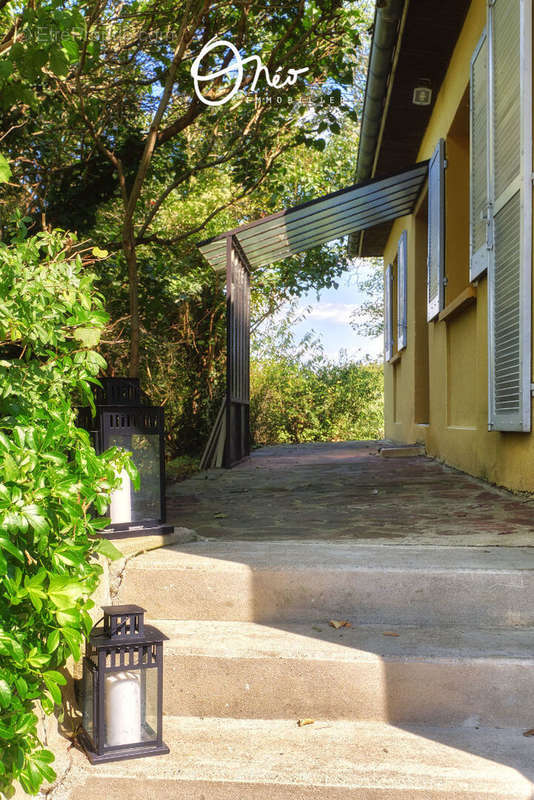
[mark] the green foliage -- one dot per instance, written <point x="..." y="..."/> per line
<point x="79" y="86"/>
<point x="37" y="36"/>
<point x="182" y="467"/>
<point x="297" y="395"/>
<point x="73" y="73"/>
<point x="54" y="489"/>
<point x="182" y="304"/>
<point x="5" y="170"/>
<point x="183" y="356"/>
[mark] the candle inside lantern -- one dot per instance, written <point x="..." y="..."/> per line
<point x="120" y="509"/>
<point x="123" y="708"/>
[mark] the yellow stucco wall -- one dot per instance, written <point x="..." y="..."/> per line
<point x="456" y="428"/>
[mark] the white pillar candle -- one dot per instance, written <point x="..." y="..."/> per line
<point x="123" y="708"/>
<point x="121" y="501"/>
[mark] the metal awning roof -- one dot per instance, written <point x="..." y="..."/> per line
<point x="322" y="220"/>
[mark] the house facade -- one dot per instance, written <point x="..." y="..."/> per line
<point x="453" y="85"/>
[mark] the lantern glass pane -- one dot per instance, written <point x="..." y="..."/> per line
<point x="88" y="698"/>
<point x="128" y="505"/>
<point x="130" y="707"/>
<point x="150" y="710"/>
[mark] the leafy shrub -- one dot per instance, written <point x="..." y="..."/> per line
<point x="297" y="395"/>
<point x="53" y="487"/>
<point x="181" y="467"/>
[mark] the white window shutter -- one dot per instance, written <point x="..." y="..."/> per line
<point x="510" y="267"/>
<point x="388" y="327"/>
<point x="479" y="229"/>
<point x="402" y="295"/>
<point x="436" y="232"/>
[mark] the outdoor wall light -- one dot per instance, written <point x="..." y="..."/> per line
<point x="422" y="93"/>
<point x="124" y="418"/>
<point x="122" y="688"/>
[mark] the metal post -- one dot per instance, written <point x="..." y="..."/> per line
<point x="237" y="439"/>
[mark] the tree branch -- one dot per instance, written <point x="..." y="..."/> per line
<point x="176" y="239"/>
<point x="152" y="137"/>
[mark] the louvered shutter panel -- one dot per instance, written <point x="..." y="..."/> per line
<point x="509" y="271"/>
<point x="478" y="184"/>
<point x="388" y="328"/>
<point x="436" y="232"/>
<point x="402" y="296"/>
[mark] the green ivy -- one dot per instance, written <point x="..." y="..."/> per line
<point x="54" y="488"/>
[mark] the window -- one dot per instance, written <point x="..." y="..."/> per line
<point x="396" y="301"/>
<point x="402" y="295"/>
<point x="388" y="328"/>
<point x="478" y="161"/>
<point x="509" y="213"/>
<point x="436" y="232"/>
<point x="422" y="378"/>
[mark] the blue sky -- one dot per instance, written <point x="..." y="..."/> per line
<point x="329" y="319"/>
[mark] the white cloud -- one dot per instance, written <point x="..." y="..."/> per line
<point x="329" y="312"/>
<point x="372" y="348"/>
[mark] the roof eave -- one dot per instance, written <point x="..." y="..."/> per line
<point x="386" y="28"/>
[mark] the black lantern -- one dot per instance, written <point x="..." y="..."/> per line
<point x="124" y="418"/>
<point x="122" y="694"/>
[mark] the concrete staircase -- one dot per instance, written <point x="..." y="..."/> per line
<point x="426" y="695"/>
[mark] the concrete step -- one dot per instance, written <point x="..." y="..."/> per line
<point x="408" y="451"/>
<point x="308" y="581"/>
<point x="424" y="676"/>
<point x="227" y="759"/>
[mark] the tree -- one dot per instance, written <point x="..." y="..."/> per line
<point x="121" y="116"/>
<point x="182" y="303"/>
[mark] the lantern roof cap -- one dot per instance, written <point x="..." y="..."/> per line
<point x="128" y="608"/>
<point x="100" y="639"/>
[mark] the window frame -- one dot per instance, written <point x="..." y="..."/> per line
<point x="478" y="264"/>
<point x="436" y="193"/>
<point x="402" y="291"/>
<point x="388" y="307"/>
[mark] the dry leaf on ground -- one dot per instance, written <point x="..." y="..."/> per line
<point x="340" y="623"/>
<point x="529" y="733"/>
<point x="302" y="722"/>
<point x="390" y="633"/>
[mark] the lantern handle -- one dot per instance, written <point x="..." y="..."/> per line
<point x="97" y="624"/>
<point x="122" y="624"/>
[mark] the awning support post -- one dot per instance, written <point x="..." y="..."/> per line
<point x="237" y="439"/>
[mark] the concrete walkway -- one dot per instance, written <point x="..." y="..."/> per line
<point x="347" y="490"/>
<point x="411" y="666"/>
